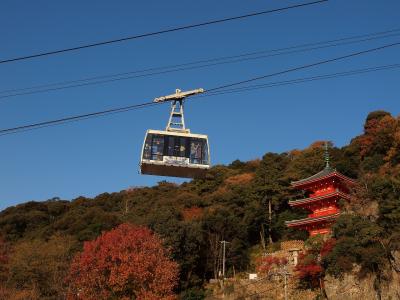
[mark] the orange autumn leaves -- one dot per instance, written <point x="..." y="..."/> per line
<point x="381" y="132"/>
<point x="192" y="213"/>
<point x="240" y="179"/>
<point x="124" y="263"/>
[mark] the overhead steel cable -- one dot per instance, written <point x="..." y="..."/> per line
<point x="230" y="91"/>
<point x="364" y="38"/>
<point x="304" y="66"/>
<point x="374" y="35"/>
<point x="212" y="90"/>
<point x="124" y="39"/>
<point x="195" y="65"/>
<point x="300" y="80"/>
<point x="78" y="117"/>
<point x="81" y="117"/>
<point x="217" y="93"/>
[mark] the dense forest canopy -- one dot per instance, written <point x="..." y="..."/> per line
<point x="39" y="239"/>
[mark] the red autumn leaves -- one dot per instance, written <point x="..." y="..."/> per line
<point x="268" y="264"/>
<point x="310" y="267"/>
<point x="124" y="263"/>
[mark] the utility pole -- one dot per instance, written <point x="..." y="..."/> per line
<point x="223" y="257"/>
<point x="223" y="266"/>
<point x="282" y="271"/>
<point x="262" y="237"/>
<point x="269" y="217"/>
<point x="270" y="220"/>
<point x="285" y="273"/>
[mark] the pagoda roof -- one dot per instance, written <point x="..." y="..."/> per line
<point x="306" y="221"/>
<point x="327" y="172"/>
<point x="300" y="202"/>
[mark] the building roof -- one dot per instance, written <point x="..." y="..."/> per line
<point x="327" y="172"/>
<point x="311" y="220"/>
<point x="300" y="202"/>
<point x="324" y="174"/>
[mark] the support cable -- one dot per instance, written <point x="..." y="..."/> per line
<point x="301" y="80"/>
<point x="304" y="66"/>
<point x="218" y="88"/>
<point x="124" y="39"/>
<point x="149" y="72"/>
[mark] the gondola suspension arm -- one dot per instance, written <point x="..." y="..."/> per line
<point x="176" y="121"/>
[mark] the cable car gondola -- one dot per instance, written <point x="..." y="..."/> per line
<point x="175" y="151"/>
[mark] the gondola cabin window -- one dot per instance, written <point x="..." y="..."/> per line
<point x="154" y="147"/>
<point x="177" y="146"/>
<point x="176" y="149"/>
<point x="198" y="151"/>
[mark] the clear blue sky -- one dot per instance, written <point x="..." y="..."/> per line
<point x="102" y="155"/>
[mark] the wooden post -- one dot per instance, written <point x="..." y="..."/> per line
<point x="262" y="237"/>
<point x="270" y="220"/>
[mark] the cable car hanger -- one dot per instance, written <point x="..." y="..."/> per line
<point x="176" y="120"/>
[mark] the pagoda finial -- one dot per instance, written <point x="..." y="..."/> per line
<point x="326" y="154"/>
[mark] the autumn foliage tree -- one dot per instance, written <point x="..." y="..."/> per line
<point x="309" y="271"/>
<point x="39" y="267"/>
<point x="310" y="268"/>
<point x="268" y="264"/>
<point x="128" y="262"/>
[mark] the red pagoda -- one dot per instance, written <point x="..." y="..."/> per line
<point x="324" y="190"/>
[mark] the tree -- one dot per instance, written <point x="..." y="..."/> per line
<point x="128" y="262"/>
<point x="41" y="266"/>
<point x="310" y="269"/>
<point x="379" y="141"/>
<point x="268" y="264"/>
<point x="357" y="242"/>
<point x="223" y="224"/>
<point x="4" y="255"/>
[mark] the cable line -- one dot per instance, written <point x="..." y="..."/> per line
<point x="386" y="32"/>
<point x="195" y="65"/>
<point x="78" y="117"/>
<point x="304" y="67"/>
<point x="229" y="91"/>
<point x="212" y="91"/>
<point x="159" y="32"/>
<point x="301" y="80"/>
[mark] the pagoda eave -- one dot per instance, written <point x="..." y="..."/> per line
<point x="334" y="174"/>
<point x="301" y="202"/>
<point x="310" y="221"/>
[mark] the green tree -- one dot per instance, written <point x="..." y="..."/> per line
<point x="357" y="242"/>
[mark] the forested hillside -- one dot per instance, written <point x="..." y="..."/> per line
<point x="39" y="239"/>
